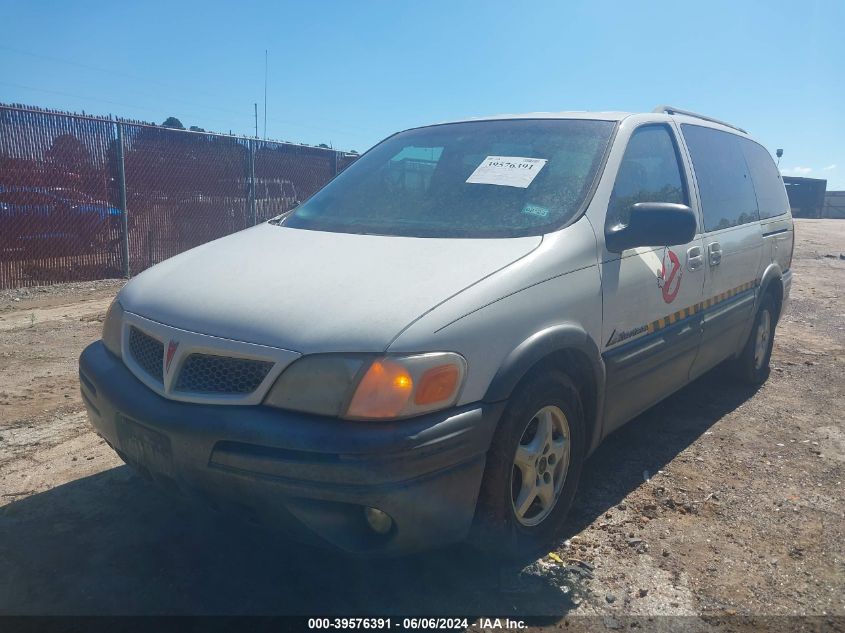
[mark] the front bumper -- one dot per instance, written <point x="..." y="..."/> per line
<point x="308" y="475"/>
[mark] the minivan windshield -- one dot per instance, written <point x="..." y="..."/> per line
<point x="502" y="178"/>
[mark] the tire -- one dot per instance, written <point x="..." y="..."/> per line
<point x="752" y="364"/>
<point x="506" y="520"/>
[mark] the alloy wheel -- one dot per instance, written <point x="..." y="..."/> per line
<point x="540" y="465"/>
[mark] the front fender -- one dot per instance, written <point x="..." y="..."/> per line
<point x="569" y="337"/>
<point x="537" y="347"/>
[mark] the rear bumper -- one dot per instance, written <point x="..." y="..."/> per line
<point x="309" y="475"/>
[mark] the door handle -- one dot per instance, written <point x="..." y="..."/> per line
<point x="694" y="258"/>
<point x="715" y="250"/>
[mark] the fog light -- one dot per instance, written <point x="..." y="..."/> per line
<point x="379" y="521"/>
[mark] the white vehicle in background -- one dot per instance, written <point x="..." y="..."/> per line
<point x="430" y="346"/>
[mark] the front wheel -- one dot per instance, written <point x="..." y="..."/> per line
<point x="533" y="465"/>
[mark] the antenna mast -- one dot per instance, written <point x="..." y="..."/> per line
<point x="265" y="94"/>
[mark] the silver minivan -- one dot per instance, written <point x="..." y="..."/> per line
<point x="430" y="346"/>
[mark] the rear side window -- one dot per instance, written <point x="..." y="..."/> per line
<point x="650" y="172"/>
<point x="768" y="184"/>
<point x="724" y="180"/>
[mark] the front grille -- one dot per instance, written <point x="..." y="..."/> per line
<point x="206" y="373"/>
<point x="148" y="352"/>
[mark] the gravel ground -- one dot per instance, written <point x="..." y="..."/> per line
<point x="722" y="504"/>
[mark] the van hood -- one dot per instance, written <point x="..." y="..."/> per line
<point x="314" y="291"/>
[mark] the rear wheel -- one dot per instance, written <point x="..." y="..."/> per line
<point x="752" y="365"/>
<point x="533" y="465"/>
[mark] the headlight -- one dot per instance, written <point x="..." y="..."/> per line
<point x="370" y="388"/>
<point x="316" y="384"/>
<point x="112" y="327"/>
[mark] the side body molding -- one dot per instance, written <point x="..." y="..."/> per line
<point x="556" y="338"/>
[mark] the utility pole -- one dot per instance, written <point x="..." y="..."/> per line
<point x="256" y="120"/>
<point x="265" y="94"/>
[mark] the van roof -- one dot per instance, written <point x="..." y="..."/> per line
<point x="660" y="113"/>
<point x="574" y="114"/>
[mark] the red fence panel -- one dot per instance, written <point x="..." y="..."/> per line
<point x="287" y="174"/>
<point x="61" y="215"/>
<point x="182" y="189"/>
<point x="58" y="217"/>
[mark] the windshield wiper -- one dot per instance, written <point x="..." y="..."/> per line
<point x="277" y="221"/>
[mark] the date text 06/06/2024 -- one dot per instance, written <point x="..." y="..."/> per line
<point x="413" y="623"/>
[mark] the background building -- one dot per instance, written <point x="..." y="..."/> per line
<point x="806" y="196"/>
<point x="834" y="205"/>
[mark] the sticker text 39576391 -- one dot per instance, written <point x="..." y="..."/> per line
<point x="507" y="171"/>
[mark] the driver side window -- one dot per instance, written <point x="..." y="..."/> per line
<point x="650" y="172"/>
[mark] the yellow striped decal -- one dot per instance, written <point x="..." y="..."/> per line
<point x="698" y="307"/>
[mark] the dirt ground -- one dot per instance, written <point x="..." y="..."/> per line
<point x="718" y="503"/>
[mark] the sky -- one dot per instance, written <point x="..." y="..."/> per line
<point x="350" y="73"/>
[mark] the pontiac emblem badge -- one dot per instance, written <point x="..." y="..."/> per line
<point x="171" y="352"/>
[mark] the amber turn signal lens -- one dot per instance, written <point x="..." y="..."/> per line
<point x="383" y="391"/>
<point x="437" y="384"/>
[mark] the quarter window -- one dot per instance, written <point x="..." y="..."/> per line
<point x="768" y="184"/>
<point x="724" y="180"/>
<point x="649" y="172"/>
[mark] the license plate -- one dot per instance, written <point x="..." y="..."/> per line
<point x="149" y="448"/>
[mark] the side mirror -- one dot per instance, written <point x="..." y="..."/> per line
<point x="652" y="224"/>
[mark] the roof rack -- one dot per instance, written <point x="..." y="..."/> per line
<point x="672" y="110"/>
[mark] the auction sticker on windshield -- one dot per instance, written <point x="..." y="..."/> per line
<point x="507" y="171"/>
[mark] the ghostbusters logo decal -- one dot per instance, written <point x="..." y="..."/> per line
<point x="669" y="276"/>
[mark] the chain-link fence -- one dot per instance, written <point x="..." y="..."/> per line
<point x="84" y="198"/>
